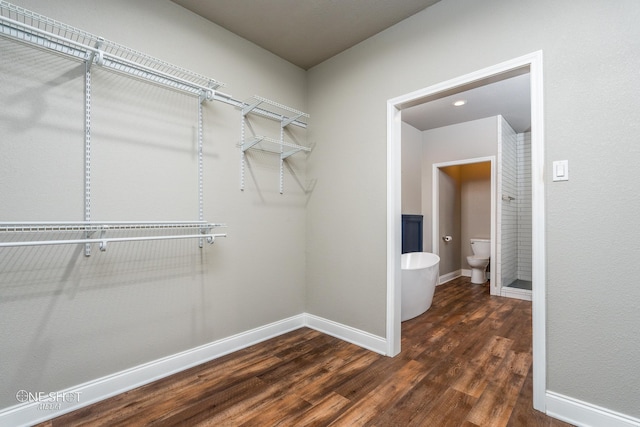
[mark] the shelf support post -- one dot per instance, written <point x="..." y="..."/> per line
<point x="282" y="157"/>
<point x="87" y="151"/>
<point x="200" y="168"/>
<point x="242" y="149"/>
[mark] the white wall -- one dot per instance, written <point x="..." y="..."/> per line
<point x="67" y="319"/>
<point x="590" y="114"/>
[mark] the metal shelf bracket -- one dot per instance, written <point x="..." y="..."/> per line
<point x="287" y="121"/>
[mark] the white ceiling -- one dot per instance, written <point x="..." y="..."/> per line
<point x="510" y="98"/>
<point x="305" y="32"/>
<point x="308" y="32"/>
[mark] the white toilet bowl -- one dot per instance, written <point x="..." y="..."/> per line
<point x="478" y="268"/>
<point x="479" y="260"/>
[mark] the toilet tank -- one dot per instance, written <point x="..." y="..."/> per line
<point x="481" y="247"/>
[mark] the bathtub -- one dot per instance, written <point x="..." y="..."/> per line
<point x="420" y="272"/>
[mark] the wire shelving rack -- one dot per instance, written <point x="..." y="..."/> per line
<point x="38" y="31"/>
<point x="44" y="33"/>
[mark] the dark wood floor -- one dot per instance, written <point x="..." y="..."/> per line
<point x="465" y="362"/>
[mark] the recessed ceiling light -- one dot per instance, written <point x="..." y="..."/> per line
<point x="460" y="102"/>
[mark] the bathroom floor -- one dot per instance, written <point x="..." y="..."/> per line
<point x="520" y="284"/>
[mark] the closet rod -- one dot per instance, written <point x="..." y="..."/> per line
<point x="105" y="59"/>
<point x="8" y="226"/>
<point x="104" y="241"/>
<point x="130" y="67"/>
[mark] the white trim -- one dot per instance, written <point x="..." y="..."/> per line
<point x="449" y="277"/>
<point x="394" y="228"/>
<point x="523" y="294"/>
<point x="538" y="246"/>
<point x="533" y="62"/>
<point x="497" y="247"/>
<point x="585" y="414"/>
<point x="347" y="333"/>
<point x="102" y="388"/>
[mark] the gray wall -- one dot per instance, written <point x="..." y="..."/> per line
<point x="67" y="319"/>
<point x="411" y="170"/>
<point x="590" y="111"/>
<point x="449" y="215"/>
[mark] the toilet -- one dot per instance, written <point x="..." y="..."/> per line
<point x="479" y="260"/>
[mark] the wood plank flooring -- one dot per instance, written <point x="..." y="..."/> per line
<point x="465" y="362"/>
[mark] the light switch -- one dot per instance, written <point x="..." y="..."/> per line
<point x="561" y="170"/>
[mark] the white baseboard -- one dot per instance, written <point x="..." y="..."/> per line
<point x="449" y="277"/>
<point x="523" y="294"/>
<point x="347" y="333"/>
<point x="585" y="414"/>
<point x="31" y="411"/>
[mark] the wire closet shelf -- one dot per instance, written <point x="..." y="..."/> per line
<point x="192" y="230"/>
<point x="47" y="34"/>
<point x="38" y="31"/>
<point x="286" y="116"/>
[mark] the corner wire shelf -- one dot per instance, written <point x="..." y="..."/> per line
<point x="275" y="111"/>
<point x="44" y="33"/>
<point x="270" y="145"/>
<point x="199" y="229"/>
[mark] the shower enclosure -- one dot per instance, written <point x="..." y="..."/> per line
<point x="514" y="213"/>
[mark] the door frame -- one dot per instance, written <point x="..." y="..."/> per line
<point x="533" y="63"/>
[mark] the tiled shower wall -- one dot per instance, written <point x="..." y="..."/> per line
<point x="508" y="215"/>
<point x="523" y="148"/>
<point x="514" y="219"/>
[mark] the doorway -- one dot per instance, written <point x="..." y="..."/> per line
<point x="532" y="64"/>
<point x="449" y="179"/>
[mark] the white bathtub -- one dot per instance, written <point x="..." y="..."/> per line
<point x="420" y="271"/>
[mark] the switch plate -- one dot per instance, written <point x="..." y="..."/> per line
<point x="561" y="170"/>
